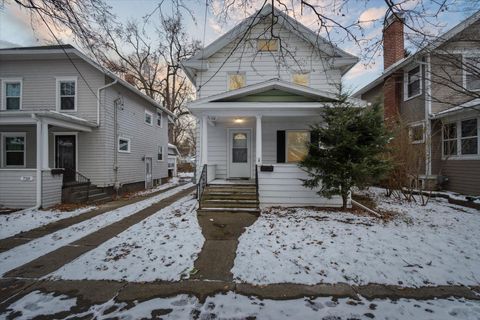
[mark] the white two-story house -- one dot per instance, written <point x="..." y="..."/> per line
<point x="259" y="88"/>
<point x="61" y="110"/>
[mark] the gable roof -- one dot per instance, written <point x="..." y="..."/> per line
<point x="340" y="58"/>
<point x="428" y="48"/>
<point x="69" y="50"/>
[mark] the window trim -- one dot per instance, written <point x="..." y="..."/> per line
<point x="4" y="92"/>
<point x="129" y="144"/>
<point x="286" y="142"/>
<point x="145" y="118"/>
<point x="160" y="117"/>
<point x="464" y="71"/>
<point x="267" y="51"/>
<point x="58" y="103"/>
<point x="458" y="139"/>
<point x="236" y="73"/>
<point x="163" y="153"/>
<point x="300" y="73"/>
<point x="417" y="124"/>
<point x="3" y="149"/>
<point x="405" y="82"/>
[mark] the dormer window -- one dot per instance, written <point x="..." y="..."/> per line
<point x="267" y="45"/>
<point x="301" y="78"/>
<point x="236" y="81"/>
<point x="412" y="82"/>
<point x="472" y="73"/>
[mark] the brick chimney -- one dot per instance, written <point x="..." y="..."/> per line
<point x="393" y="51"/>
<point x="393" y="40"/>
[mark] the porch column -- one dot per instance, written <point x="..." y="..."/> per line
<point x="258" y="144"/>
<point x="39" y="162"/>
<point x="44" y="145"/>
<point x="204" y="154"/>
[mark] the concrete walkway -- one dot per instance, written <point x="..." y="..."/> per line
<point x="221" y="231"/>
<point x="26" y="236"/>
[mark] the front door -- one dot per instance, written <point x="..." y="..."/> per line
<point x="65" y="155"/>
<point x="148" y="173"/>
<point x="239" y="157"/>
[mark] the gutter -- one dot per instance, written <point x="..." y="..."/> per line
<point x="98" y="98"/>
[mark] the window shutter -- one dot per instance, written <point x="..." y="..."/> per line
<point x="314" y="140"/>
<point x="281" y="146"/>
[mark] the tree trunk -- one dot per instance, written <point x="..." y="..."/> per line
<point x="344" y="200"/>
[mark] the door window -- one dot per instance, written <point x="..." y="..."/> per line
<point x="239" y="148"/>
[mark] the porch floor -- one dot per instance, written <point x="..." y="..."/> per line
<point x="232" y="181"/>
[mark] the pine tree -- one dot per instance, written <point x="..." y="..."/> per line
<point x="346" y="150"/>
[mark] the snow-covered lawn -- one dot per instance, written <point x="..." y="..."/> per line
<point x="161" y="247"/>
<point x="28" y="219"/>
<point x="235" y="306"/>
<point x="20" y="255"/>
<point x="432" y="245"/>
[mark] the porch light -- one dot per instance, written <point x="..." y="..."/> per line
<point x="238" y="120"/>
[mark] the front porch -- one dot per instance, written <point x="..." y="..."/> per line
<point x="33" y="144"/>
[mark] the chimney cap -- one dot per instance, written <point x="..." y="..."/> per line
<point x="397" y="16"/>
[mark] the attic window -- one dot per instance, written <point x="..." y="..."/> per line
<point x="300" y="78"/>
<point x="267" y="45"/>
<point x="236" y="81"/>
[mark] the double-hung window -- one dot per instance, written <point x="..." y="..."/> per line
<point x="12" y="93"/>
<point x="67" y="94"/>
<point x="236" y="80"/>
<point x="124" y="145"/>
<point x="148" y="117"/>
<point x="14" y="149"/>
<point x="412" y="82"/>
<point x="160" y="154"/>
<point x="460" y="138"/>
<point x="296" y="145"/>
<point x="471" y="73"/>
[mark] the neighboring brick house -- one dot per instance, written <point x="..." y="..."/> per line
<point x="436" y="92"/>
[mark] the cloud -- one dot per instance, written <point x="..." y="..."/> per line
<point x="215" y="26"/>
<point x="368" y="17"/>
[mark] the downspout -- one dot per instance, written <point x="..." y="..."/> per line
<point x="428" y="112"/>
<point x="38" y="202"/>
<point x="98" y="98"/>
<point x="115" y="151"/>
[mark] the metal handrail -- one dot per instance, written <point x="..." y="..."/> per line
<point x="256" y="185"/>
<point x="202" y="183"/>
<point x="79" y="178"/>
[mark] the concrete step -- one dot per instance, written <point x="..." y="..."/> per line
<point x="227" y="196"/>
<point x="101" y="197"/>
<point x="253" y="211"/>
<point x="217" y="189"/>
<point x="205" y="205"/>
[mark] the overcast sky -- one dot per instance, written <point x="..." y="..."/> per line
<point x="16" y="29"/>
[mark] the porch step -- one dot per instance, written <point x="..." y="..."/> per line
<point x="231" y="196"/>
<point x="84" y="193"/>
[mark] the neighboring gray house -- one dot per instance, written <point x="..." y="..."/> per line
<point x="254" y="105"/>
<point x="436" y="92"/>
<point x="59" y="109"/>
<point x="173" y="155"/>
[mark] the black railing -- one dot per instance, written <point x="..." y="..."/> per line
<point x="202" y="183"/>
<point x="256" y="185"/>
<point x="72" y="177"/>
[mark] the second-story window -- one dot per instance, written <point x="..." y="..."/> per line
<point x="148" y="118"/>
<point x="12" y="90"/>
<point x="267" y="45"/>
<point x="413" y="85"/>
<point x="67" y="94"/>
<point x="236" y="81"/>
<point x="159" y="120"/>
<point x="472" y="73"/>
<point x="301" y="78"/>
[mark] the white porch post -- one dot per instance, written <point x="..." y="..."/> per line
<point x="44" y="145"/>
<point x="39" y="162"/>
<point x="258" y="135"/>
<point x="204" y="140"/>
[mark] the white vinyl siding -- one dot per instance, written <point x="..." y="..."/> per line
<point x="260" y="67"/>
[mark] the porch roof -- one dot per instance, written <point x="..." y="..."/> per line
<point x="467" y="106"/>
<point x="51" y="117"/>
